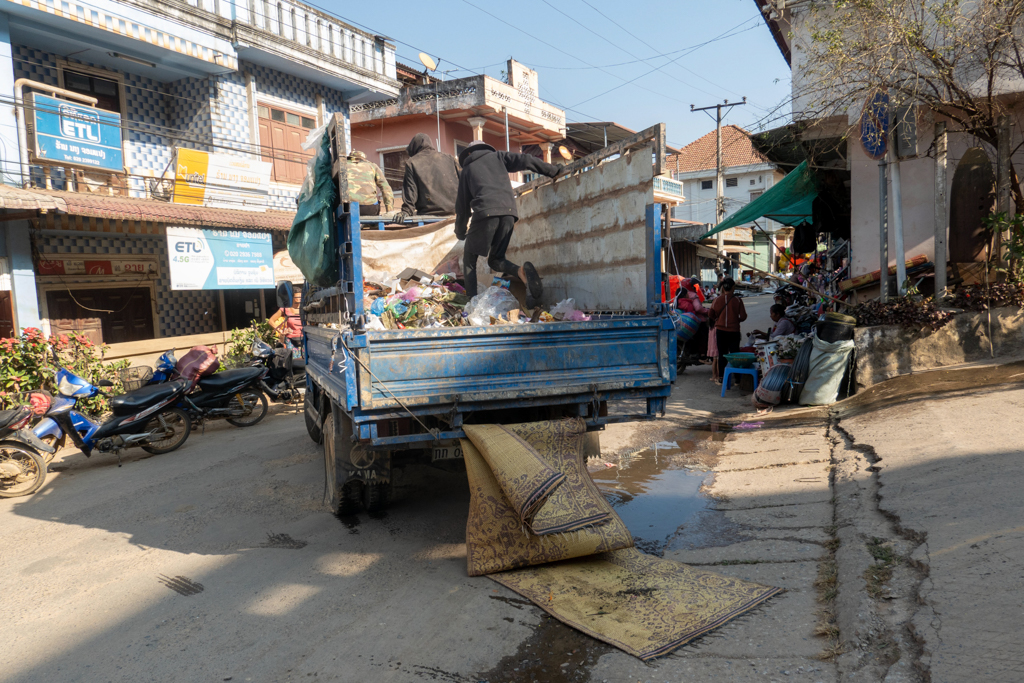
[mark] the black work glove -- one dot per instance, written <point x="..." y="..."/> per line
<point x="460" y="233"/>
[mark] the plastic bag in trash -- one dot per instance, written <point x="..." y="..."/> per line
<point x="377" y="308"/>
<point x="563" y="308"/>
<point x="493" y="303"/>
<point x="373" y="322"/>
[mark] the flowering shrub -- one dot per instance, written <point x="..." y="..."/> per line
<point x="26" y="364"/>
<point x="242" y="338"/>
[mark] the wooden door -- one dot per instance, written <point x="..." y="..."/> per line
<point x="6" y="315"/>
<point x="105" y="316"/>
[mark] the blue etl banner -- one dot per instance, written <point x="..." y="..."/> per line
<point x="219" y="259"/>
<point x="76" y="134"/>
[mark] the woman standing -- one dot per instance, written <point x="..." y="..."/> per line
<point x="727" y="312"/>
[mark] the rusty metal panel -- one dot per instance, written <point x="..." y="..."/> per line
<point x="587" y="234"/>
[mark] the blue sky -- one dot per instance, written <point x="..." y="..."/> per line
<point x="567" y="51"/>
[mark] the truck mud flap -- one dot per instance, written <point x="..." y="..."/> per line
<point x="370" y="467"/>
<point x="351" y="461"/>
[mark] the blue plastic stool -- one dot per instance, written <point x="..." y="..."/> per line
<point x="730" y="371"/>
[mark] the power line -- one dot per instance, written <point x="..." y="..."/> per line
<point x="648" y="45"/>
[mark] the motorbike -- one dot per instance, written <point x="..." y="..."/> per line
<point x="285" y="381"/>
<point x="23" y="459"/>
<point x="233" y="395"/>
<point x="147" y="418"/>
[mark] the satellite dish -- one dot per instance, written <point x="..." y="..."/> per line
<point x="428" y="61"/>
<point x="564" y="151"/>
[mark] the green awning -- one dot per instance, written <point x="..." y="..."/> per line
<point x="788" y="202"/>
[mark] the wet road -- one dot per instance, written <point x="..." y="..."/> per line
<point x="220" y="562"/>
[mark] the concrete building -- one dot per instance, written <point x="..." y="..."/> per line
<point x="748" y="175"/>
<point x="792" y="25"/>
<point x="231" y="83"/>
<point x="454" y="113"/>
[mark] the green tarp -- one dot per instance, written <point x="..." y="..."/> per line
<point x="311" y="242"/>
<point x="789" y="202"/>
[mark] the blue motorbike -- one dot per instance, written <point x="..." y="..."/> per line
<point x="147" y="418"/>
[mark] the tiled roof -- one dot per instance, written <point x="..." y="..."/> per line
<point x="124" y="208"/>
<point x="699" y="155"/>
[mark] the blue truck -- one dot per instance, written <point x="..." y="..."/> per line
<point x="381" y="399"/>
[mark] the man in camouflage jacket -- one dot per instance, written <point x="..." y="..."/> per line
<point x="364" y="177"/>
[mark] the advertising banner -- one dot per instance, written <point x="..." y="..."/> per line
<point x="75" y="134"/>
<point x="222" y="181"/>
<point x="219" y="259"/>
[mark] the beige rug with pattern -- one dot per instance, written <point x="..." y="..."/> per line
<point x="539" y="526"/>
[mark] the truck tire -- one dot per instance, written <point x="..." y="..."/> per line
<point x="310" y="404"/>
<point x="344" y="499"/>
<point x="376" y="496"/>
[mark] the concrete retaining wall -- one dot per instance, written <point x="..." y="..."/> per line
<point x="886" y="351"/>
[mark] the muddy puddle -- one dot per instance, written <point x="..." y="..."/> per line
<point x="657" y="490"/>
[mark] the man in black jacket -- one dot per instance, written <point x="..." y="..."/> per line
<point x="431" y="180"/>
<point x="484" y="188"/>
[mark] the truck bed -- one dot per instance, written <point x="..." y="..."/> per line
<point x="438" y="367"/>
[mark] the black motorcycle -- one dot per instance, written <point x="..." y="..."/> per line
<point x="22" y="455"/>
<point x="285" y="381"/>
<point x="233" y="395"/>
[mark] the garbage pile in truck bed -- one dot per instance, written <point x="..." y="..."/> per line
<point x="415" y="299"/>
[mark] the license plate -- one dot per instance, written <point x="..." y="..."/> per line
<point x="446" y="453"/>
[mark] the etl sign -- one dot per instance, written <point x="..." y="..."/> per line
<point x="75" y="134"/>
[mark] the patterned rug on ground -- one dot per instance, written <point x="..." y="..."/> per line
<point x="539" y="525"/>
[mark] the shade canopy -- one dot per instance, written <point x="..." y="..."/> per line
<point x="788" y="202"/>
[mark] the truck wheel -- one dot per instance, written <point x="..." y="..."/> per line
<point x="376" y="496"/>
<point x="350" y="498"/>
<point x="309" y="406"/>
<point x="347" y="498"/>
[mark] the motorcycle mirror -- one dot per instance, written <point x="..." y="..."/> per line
<point x="105" y="383"/>
<point x="284" y="294"/>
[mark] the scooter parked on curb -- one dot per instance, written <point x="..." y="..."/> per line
<point x="286" y="375"/>
<point x="233" y="395"/>
<point x="147" y="418"/>
<point x="22" y="455"/>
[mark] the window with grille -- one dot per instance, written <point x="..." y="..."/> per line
<point x="732" y="182"/>
<point x="707" y="184"/>
<point x="394" y="168"/>
<point x="282" y="133"/>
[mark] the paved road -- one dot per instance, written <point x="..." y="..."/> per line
<point x="220" y="562"/>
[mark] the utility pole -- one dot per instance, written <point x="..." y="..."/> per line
<point x="720" y="169"/>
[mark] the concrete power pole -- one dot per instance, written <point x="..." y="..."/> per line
<point x="720" y="171"/>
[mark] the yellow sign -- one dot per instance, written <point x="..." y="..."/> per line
<point x="190" y="175"/>
<point x="221" y="180"/>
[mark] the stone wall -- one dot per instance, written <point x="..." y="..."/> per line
<point x="886" y="351"/>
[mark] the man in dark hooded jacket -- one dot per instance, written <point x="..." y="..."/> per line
<point x="431" y="180"/>
<point x="485" y="188"/>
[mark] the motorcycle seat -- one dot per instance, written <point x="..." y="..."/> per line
<point x="140" y="399"/>
<point x="224" y="381"/>
<point x="9" y="417"/>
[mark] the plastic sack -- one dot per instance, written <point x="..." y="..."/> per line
<point x="200" y="361"/>
<point x="563" y="308"/>
<point x="686" y="325"/>
<point x="828" y="361"/>
<point x="312" y="244"/>
<point x="493" y="303"/>
<point x="769" y="391"/>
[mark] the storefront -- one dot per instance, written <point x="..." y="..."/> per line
<point x="129" y="275"/>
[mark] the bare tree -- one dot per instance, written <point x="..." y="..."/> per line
<point x="963" y="59"/>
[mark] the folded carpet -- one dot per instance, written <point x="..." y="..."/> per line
<point x="539" y="525"/>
